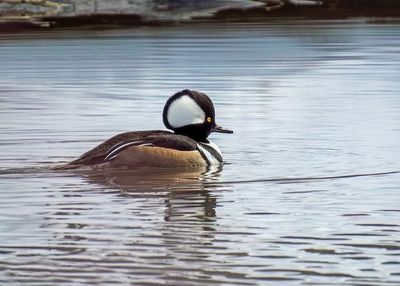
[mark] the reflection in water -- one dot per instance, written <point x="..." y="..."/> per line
<point x="204" y="210"/>
<point x="190" y="205"/>
<point x="148" y="180"/>
<point x="187" y="192"/>
<point x="149" y="222"/>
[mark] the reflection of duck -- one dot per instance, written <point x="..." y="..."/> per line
<point x="172" y="212"/>
<point x="190" y="114"/>
<point x="194" y="206"/>
<point x="187" y="193"/>
<point x="152" y="179"/>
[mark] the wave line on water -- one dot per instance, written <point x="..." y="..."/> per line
<point x="302" y="179"/>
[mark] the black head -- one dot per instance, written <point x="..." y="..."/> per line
<point x="191" y="113"/>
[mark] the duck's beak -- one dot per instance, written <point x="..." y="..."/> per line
<point x="220" y="129"/>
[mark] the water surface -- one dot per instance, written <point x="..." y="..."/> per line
<point x="310" y="191"/>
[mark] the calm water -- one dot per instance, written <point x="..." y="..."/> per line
<point x="313" y="105"/>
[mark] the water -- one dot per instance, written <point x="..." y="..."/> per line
<point x="310" y="191"/>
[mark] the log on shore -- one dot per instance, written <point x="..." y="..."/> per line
<point x="135" y="10"/>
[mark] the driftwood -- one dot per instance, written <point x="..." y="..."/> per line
<point x="45" y="12"/>
<point x="145" y="10"/>
<point x="38" y="8"/>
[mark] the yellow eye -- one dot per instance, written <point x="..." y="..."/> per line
<point x="209" y="119"/>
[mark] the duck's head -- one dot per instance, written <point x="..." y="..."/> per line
<point x="191" y="113"/>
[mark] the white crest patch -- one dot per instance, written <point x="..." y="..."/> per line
<point x="185" y="111"/>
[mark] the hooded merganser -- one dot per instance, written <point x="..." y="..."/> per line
<point x="190" y="114"/>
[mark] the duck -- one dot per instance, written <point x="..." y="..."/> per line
<point x="189" y="114"/>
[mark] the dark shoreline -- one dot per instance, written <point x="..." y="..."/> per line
<point x="311" y="12"/>
<point x="255" y="14"/>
